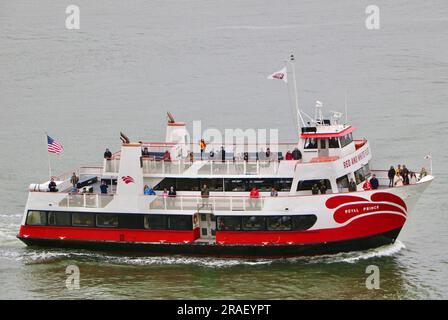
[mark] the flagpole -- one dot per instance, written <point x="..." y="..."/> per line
<point x="299" y="114"/>
<point x="430" y="163"/>
<point x="48" y="154"/>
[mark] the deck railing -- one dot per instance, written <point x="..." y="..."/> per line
<point x="86" y="200"/>
<point x="212" y="203"/>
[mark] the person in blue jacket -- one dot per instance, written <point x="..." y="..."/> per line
<point x="148" y="191"/>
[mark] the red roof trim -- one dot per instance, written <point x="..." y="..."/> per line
<point x="327" y="135"/>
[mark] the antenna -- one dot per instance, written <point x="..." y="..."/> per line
<point x="346" y="110"/>
<point x="300" y="121"/>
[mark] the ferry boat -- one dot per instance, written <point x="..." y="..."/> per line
<point x="230" y="221"/>
<point x="258" y="202"/>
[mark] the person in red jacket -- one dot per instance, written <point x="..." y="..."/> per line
<point x="167" y="161"/>
<point x="288" y="155"/>
<point x="254" y="196"/>
<point x="367" y="186"/>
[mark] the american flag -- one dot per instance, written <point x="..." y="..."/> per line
<point x="54" y="146"/>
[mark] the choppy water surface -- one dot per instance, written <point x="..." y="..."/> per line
<point x="208" y="60"/>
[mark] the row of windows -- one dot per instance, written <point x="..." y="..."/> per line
<point x="312" y="143"/>
<point x="305" y="185"/>
<point x="273" y="223"/>
<point x="187" y="184"/>
<point x="106" y="220"/>
<point x="360" y="175"/>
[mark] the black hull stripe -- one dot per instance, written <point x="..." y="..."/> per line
<point x="205" y="249"/>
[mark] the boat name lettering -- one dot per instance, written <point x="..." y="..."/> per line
<point x="356" y="159"/>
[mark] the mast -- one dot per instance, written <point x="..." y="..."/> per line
<point x="300" y="121"/>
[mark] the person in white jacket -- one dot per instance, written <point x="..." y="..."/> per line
<point x="398" y="181"/>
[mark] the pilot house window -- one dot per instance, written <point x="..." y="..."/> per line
<point x="36" y="218"/>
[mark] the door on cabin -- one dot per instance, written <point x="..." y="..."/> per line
<point x="323" y="148"/>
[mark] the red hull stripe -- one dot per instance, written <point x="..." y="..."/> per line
<point x="335" y="202"/>
<point x="103" y="234"/>
<point x="384" y="196"/>
<point x="362" y="227"/>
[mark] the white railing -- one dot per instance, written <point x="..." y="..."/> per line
<point x="212" y="203"/>
<point x="85" y="200"/>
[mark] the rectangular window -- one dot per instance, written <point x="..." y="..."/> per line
<point x="36" y="218"/>
<point x="229" y="223"/>
<point x="254" y="223"/>
<point x="83" y="219"/>
<point x="310" y="143"/>
<point x="156" y="222"/>
<point x="305" y="185"/>
<point x="235" y="185"/>
<point x="59" y="218"/>
<point x="283" y="184"/>
<point x="303" y="222"/>
<point x="347" y="139"/>
<point x="131" y="221"/>
<point x="279" y="223"/>
<point x="187" y="185"/>
<point x="333" y="143"/>
<point x="180" y="222"/>
<point x="342" y="182"/>
<point x="323" y="143"/>
<point x="359" y="175"/>
<point x="212" y="184"/>
<point x="107" y="220"/>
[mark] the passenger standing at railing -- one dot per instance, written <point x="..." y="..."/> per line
<point x="405" y="175"/>
<point x="374" y="182"/>
<point x="423" y="173"/>
<point x="223" y="154"/>
<point x="74" y="181"/>
<point x="253" y="197"/>
<point x="191" y="155"/>
<point x="367" y="186"/>
<point x="171" y="195"/>
<point x="391" y="174"/>
<point x="352" y="185"/>
<point x="268" y="154"/>
<point x="52" y="186"/>
<point x="274" y="192"/>
<point x="145" y="152"/>
<point x="202" y="145"/>
<point x="296" y="154"/>
<point x="412" y="178"/>
<point x="288" y="155"/>
<point x="107" y="154"/>
<point x="167" y="161"/>
<point x="398" y="181"/>
<point x="104" y="187"/>
<point x="205" y="194"/>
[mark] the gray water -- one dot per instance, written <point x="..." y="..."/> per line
<point x="131" y="61"/>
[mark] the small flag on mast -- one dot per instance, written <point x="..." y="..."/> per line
<point x="54" y="146"/>
<point x="280" y="75"/>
